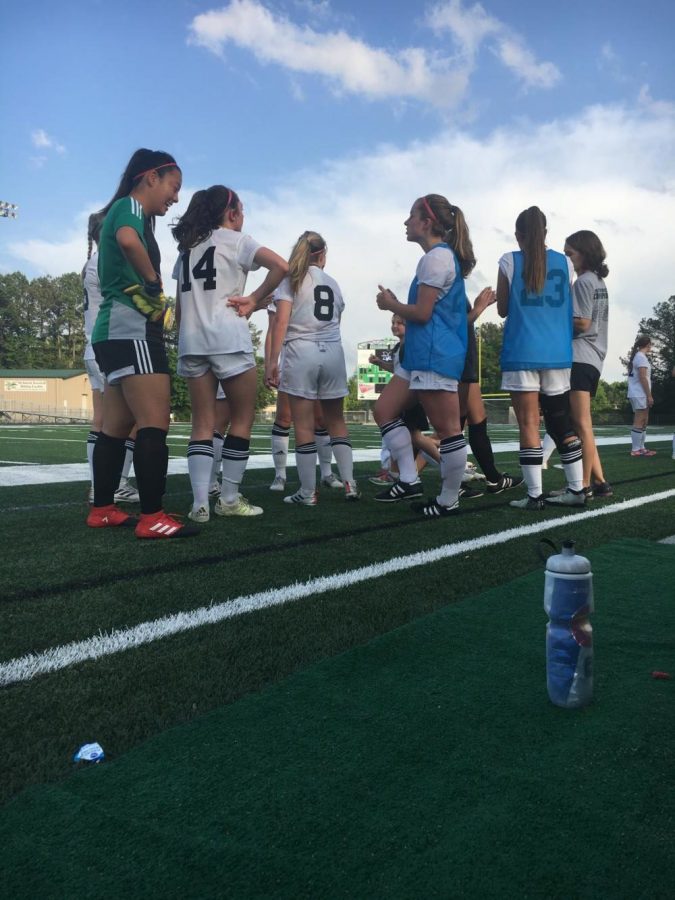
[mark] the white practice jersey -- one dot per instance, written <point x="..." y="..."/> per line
<point x="92" y="301"/>
<point x="635" y="389"/>
<point x="317" y="307"/>
<point x="208" y="275"/>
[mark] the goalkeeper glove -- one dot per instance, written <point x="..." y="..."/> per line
<point x="148" y="298"/>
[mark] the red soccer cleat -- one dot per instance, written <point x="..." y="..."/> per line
<point x="162" y="525"/>
<point x="109" y="517"/>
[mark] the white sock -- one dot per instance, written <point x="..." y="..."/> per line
<point x="280" y="449"/>
<point x="396" y="438"/>
<point x="530" y="465"/>
<point x="235" y="458"/>
<point x="305" y="463"/>
<point x="573" y="466"/>
<point x="200" y="463"/>
<point x="324" y="452"/>
<point x="128" y="459"/>
<point x="217" y="455"/>
<point x="548" y="448"/>
<point x="636" y="438"/>
<point x="453" y="463"/>
<point x="342" y="450"/>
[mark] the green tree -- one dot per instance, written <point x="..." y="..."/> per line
<point x="490" y="335"/>
<point x="660" y="327"/>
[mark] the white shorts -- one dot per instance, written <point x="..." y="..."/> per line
<point x="220" y="393"/>
<point x="96" y="377"/>
<point x="314" y="370"/>
<point x="638" y="403"/>
<point x="432" y="381"/>
<point x="550" y="382"/>
<point x="401" y="372"/>
<point x="223" y="365"/>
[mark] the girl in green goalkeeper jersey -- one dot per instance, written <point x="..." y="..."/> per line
<point x="129" y="347"/>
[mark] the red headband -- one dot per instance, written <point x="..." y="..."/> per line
<point x="154" y="169"/>
<point x="429" y="209"/>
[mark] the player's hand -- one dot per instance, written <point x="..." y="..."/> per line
<point x="385" y="298"/>
<point x="486" y="298"/>
<point x="374" y="360"/>
<point x="148" y="298"/>
<point x="243" y="306"/>
<point x="272" y="375"/>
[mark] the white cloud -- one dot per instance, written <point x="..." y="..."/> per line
<point x="43" y="141"/>
<point x="610" y="169"/>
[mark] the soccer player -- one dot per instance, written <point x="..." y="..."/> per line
<point x="640" y="393"/>
<point x="435" y="351"/>
<point x="214" y="340"/>
<point x="306" y="325"/>
<point x="128" y="343"/>
<point x="534" y="294"/>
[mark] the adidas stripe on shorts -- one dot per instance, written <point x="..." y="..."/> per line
<point x="120" y="358"/>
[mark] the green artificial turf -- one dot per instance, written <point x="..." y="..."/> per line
<point x="426" y="763"/>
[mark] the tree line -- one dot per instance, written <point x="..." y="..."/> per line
<point x="42" y="327"/>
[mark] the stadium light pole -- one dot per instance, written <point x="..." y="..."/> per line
<point x="8" y="210"/>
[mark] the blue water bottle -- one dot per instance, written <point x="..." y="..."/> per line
<point x="568" y="601"/>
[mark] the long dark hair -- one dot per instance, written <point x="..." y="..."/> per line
<point x="204" y="214"/>
<point x="142" y="161"/>
<point x="448" y="222"/>
<point x="641" y="341"/>
<point x="589" y="245"/>
<point x="531" y="229"/>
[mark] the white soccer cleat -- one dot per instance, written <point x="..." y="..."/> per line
<point x="126" y="493"/>
<point x="240" y="507"/>
<point x="331" y="481"/>
<point x="351" y="491"/>
<point x="200" y="515"/>
<point x="214" y="490"/>
<point x="279" y="483"/>
<point x="301" y="499"/>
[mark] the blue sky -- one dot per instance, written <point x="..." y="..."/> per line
<point x="336" y="115"/>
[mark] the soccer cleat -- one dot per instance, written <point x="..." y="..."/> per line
<point x="200" y="515"/>
<point x="471" y="473"/>
<point x="126" y="493"/>
<point x="432" y="509"/>
<point x="382" y="477"/>
<point x="331" y="481"/>
<point x="302" y="499"/>
<point x="279" y="483"/>
<point x="588" y="493"/>
<point x="351" y="491"/>
<point x="558" y="492"/>
<point x="568" y="498"/>
<point x="467" y="493"/>
<point x="602" y="489"/>
<point x="400" y="490"/>
<point x="214" y="490"/>
<point x="527" y="502"/>
<point x="240" y="507"/>
<point x="505" y="482"/>
<point x="161" y="525"/>
<point x="109" y="517"/>
<point x="646" y="452"/>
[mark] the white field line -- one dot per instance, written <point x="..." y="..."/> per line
<point x="26" y="667"/>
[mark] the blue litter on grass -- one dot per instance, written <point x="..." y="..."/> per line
<point x="89" y="753"/>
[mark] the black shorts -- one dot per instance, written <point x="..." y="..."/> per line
<point x="119" y="358"/>
<point x="470" y="373"/>
<point x="415" y="418"/>
<point x="584" y="377"/>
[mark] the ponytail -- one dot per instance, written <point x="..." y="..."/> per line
<point x="531" y="230"/>
<point x="308" y="247"/>
<point x="449" y="223"/>
<point x="204" y="215"/>
<point x="641" y="341"/>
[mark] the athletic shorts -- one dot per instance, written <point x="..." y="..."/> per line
<point x="550" y="382"/>
<point x="223" y="365"/>
<point x="121" y="358"/>
<point x="415" y="418"/>
<point x="585" y="377"/>
<point x="638" y="403"/>
<point x="470" y="373"/>
<point x="314" y="370"/>
<point x="401" y="372"/>
<point x="220" y="393"/>
<point x="96" y="377"/>
<point x="432" y="381"/>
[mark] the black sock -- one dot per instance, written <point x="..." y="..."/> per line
<point x="151" y="460"/>
<point x="108" y="460"/>
<point x="481" y="447"/>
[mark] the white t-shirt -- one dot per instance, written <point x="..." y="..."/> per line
<point x="208" y="275"/>
<point x="635" y="389"/>
<point x="317" y="307"/>
<point x="92" y="301"/>
<point x="437" y="269"/>
<point x="506" y="267"/>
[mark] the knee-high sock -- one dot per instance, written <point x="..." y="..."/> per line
<point x="200" y="466"/>
<point x="324" y="451"/>
<point x="129" y="447"/>
<point x="636" y="438"/>
<point x="530" y="464"/>
<point x="280" y="449"/>
<point x="481" y="447"/>
<point x="644" y="438"/>
<point x="305" y="463"/>
<point x="151" y="460"/>
<point x="342" y="451"/>
<point x="571" y="459"/>
<point x="396" y="439"/>
<point x="107" y="458"/>
<point x="548" y="447"/>
<point x="453" y="464"/>
<point x="217" y="455"/>
<point x="235" y="457"/>
<point x="92" y="437"/>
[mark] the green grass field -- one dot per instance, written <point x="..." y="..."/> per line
<point x="62" y="583"/>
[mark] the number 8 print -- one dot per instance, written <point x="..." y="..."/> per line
<point x="324" y="303"/>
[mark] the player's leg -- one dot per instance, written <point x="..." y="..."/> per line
<point x="241" y="391"/>
<point x="443" y="412"/>
<point x="280" y="435"/>
<point x="396" y="397"/>
<point x="202" y="389"/>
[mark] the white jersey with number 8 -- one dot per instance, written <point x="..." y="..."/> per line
<point x="317" y="307"/>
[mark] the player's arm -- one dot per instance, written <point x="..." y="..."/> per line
<point x="277" y="271"/>
<point x="279" y="328"/>
<point x="387" y="365"/>
<point x="486" y="298"/>
<point x="580" y="324"/>
<point x="268" y="337"/>
<point x="134" y="250"/>
<point x="503" y="291"/>
<point x="419" y="312"/>
<point x="644" y="381"/>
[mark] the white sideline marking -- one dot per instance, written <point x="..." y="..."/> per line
<point x="26" y="667"/>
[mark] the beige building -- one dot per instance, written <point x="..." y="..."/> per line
<point x="45" y="392"/>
